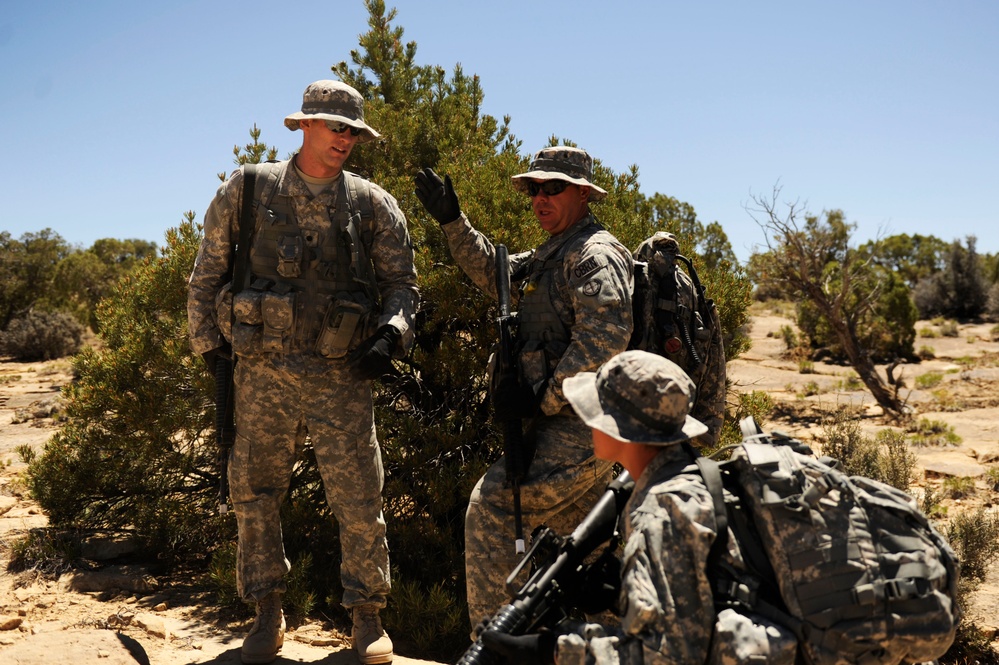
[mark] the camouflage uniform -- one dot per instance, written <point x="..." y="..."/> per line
<point x="666" y="604"/>
<point x="283" y="395"/>
<point x="709" y="375"/>
<point x="575" y="313"/>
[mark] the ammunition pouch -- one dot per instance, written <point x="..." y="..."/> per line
<point x="278" y="314"/>
<point x="290" y="249"/>
<point x="346" y="323"/>
<point x="536" y="361"/>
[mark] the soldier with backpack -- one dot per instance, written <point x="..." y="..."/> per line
<point x="675" y="319"/>
<point x="638" y="405"/>
<point x="575" y="312"/>
<point x="325" y="297"/>
<point x="772" y="556"/>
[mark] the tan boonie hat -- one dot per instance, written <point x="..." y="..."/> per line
<point x="561" y="163"/>
<point x="333" y="100"/>
<point x="636" y="397"/>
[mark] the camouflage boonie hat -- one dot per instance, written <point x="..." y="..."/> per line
<point x="636" y="397"/>
<point x="561" y="163"/>
<point x="333" y="100"/>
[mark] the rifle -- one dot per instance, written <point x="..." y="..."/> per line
<point x="558" y="582"/>
<point x="225" y="411"/>
<point x="506" y="370"/>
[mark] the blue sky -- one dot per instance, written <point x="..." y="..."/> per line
<point x="116" y="116"/>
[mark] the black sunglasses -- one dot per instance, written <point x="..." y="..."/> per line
<point x="340" y="127"/>
<point x="549" y="187"/>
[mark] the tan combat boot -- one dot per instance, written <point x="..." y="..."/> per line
<point x="266" y="636"/>
<point x="371" y="641"/>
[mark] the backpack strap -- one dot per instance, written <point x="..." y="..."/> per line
<point x="756" y="589"/>
<point x="247" y="222"/>
<point x="357" y="201"/>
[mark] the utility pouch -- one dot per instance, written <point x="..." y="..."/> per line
<point x="289" y="254"/>
<point x="343" y="319"/>
<point x="223" y="311"/>
<point x="278" y="313"/>
<point x="246" y="306"/>
<point x="532" y="362"/>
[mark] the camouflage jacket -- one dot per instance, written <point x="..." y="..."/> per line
<point x="590" y="293"/>
<point x="390" y="252"/>
<point x="666" y="604"/>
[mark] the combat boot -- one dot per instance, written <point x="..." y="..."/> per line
<point x="371" y="642"/>
<point x="266" y="636"/>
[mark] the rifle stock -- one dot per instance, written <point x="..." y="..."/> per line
<point x="546" y="598"/>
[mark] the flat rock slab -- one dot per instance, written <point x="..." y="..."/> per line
<point x="80" y="647"/>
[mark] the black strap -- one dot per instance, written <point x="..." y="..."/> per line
<point x="246" y="223"/>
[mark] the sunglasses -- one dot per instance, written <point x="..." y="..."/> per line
<point x="549" y="187"/>
<point x="340" y="127"/>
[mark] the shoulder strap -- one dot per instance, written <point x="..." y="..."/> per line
<point x="246" y="224"/>
<point x="358" y="203"/>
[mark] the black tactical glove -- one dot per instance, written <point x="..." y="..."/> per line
<point x="512" y="400"/>
<point x="437" y="196"/>
<point x="210" y="357"/>
<point x="373" y="357"/>
<point x="530" y="649"/>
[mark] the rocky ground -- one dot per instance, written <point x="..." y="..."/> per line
<point x="121" y="614"/>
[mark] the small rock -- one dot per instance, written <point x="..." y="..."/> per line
<point x="153" y="625"/>
<point x="9" y="622"/>
<point x="6" y="503"/>
<point x="160" y="608"/>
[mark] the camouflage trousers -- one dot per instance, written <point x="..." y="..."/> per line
<point x="278" y="402"/>
<point x="563" y="484"/>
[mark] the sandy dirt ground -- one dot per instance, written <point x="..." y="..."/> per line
<point x="82" y="619"/>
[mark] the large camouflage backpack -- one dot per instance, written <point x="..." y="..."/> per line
<point x="672" y="316"/>
<point x="849" y="564"/>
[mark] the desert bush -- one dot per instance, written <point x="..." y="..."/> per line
<point x="25" y="453"/>
<point x="757" y="404"/>
<point x="958" y="487"/>
<point x="926" y="353"/>
<point x="949" y="329"/>
<point x="808" y="390"/>
<point x="789" y="337"/>
<point x="928" y="380"/>
<point x="886" y="457"/>
<point x="931" y="502"/>
<point x="41" y="336"/>
<point x="992" y="479"/>
<point x="927" y="432"/>
<point x="896" y="462"/>
<point x="974" y="535"/>
<point x="47" y="552"/>
<point x="851" y="382"/>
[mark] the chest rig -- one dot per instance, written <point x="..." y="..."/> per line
<point x="310" y="265"/>
<point x="545" y="313"/>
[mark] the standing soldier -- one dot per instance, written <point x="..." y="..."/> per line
<point x="329" y="300"/>
<point x="575" y="313"/>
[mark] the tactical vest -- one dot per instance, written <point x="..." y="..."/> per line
<point x="543" y="334"/>
<point x="315" y="288"/>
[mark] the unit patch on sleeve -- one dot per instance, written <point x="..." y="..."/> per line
<point x="585" y="268"/>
